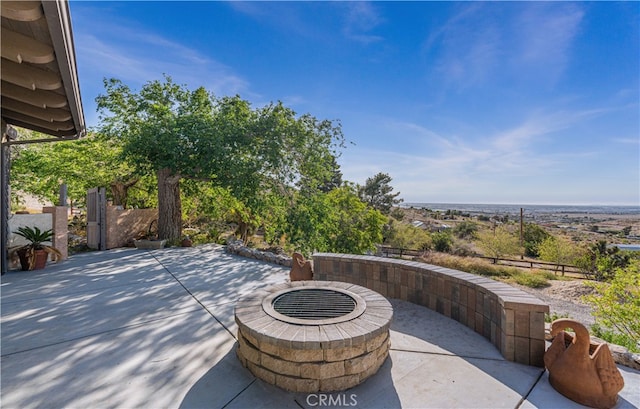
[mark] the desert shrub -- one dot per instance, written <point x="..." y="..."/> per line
<point x="465" y="230"/>
<point x="554" y="316"/>
<point x="462" y="249"/>
<point x="559" y="250"/>
<point x="530" y="279"/>
<point x="442" y="241"/>
<point x="405" y="236"/>
<point x="469" y="265"/>
<point x="498" y="243"/>
<point x="600" y="261"/>
<point x="616" y="305"/>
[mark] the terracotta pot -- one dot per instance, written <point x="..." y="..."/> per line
<point x="41" y="259"/>
<point x="39" y="263"/>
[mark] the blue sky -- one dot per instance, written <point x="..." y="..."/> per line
<point x="460" y="102"/>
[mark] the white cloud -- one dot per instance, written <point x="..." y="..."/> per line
<point x="361" y="18"/>
<point x="515" y="164"/>
<point x="479" y="44"/>
<point x="545" y="34"/>
<point x="137" y="56"/>
<point x="627" y="141"/>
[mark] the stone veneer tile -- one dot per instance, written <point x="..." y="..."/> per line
<point x="509" y="347"/>
<point x="447" y="308"/>
<point x="262" y="373"/>
<point x="297" y="384"/>
<point x="480" y="301"/>
<point x="522" y="350"/>
<point x="341" y="354"/>
<point x="509" y="325"/>
<point x="522" y="324"/>
<point x="536" y="355"/>
<point x="280" y="366"/>
<point x="375" y="343"/>
<point x="486" y="305"/>
<point x="404" y="292"/>
<point x="462" y="311"/>
<point x="272" y="332"/>
<point x="471" y="318"/>
<point x="300" y="355"/>
<point x="471" y="297"/>
<point x="334" y="338"/>
<point x="486" y="328"/>
<point x="368" y="328"/>
<point x="464" y="295"/>
<point x="440" y="289"/>
<point x="339" y="383"/>
<point x="287" y="336"/>
<point x="360" y="364"/>
<point x="248" y="352"/>
<point x="322" y="370"/>
<point x="311" y="337"/>
<point x="479" y="323"/>
<point x="355" y="332"/>
<point x="248" y="337"/>
<point x="494" y="333"/>
<point x="536" y="325"/>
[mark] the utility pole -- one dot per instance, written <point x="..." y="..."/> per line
<point x="521" y="235"/>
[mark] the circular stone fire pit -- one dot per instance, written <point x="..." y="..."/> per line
<point x="313" y="336"/>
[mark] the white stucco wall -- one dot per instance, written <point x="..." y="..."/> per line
<point x="43" y="221"/>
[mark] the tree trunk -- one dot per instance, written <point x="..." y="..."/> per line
<point x="120" y="191"/>
<point x="169" y="206"/>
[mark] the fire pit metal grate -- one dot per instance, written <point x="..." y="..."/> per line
<point x="314" y="304"/>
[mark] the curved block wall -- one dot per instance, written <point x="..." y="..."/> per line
<point x="510" y="318"/>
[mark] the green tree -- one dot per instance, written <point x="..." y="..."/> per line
<point x="442" y="241"/>
<point x="600" y="261"/>
<point x="337" y="221"/>
<point x="377" y="193"/>
<point x="161" y="129"/>
<point x="405" y="236"/>
<point x="533" y="235"/>
<point x="177" y="133"/>
<point x="499" y="242"/>
<point x="92" y="161"/>
<point x="616" y="305"/>
<point x="559" y="250"/>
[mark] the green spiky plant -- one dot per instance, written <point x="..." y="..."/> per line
<point x="36" y="239"/>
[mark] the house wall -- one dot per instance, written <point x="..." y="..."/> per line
<point x="43" y="221"/>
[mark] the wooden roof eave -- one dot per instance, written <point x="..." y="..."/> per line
<point x="40" y="89"/>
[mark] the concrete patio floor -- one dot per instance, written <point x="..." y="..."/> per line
<point x="155" y="329"/>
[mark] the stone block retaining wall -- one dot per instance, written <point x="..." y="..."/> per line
<point x="510" y="318"/>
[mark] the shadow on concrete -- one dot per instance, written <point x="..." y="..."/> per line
<point x="115" y="329"/>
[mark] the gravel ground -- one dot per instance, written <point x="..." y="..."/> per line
<point x="563" y="298"/>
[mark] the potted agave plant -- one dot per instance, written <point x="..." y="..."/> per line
<point x="33" y="256"/>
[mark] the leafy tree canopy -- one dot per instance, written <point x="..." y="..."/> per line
<point x="81" y="164"/>
<point x="499" y="242"/>
<point x="179" y="133"/>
